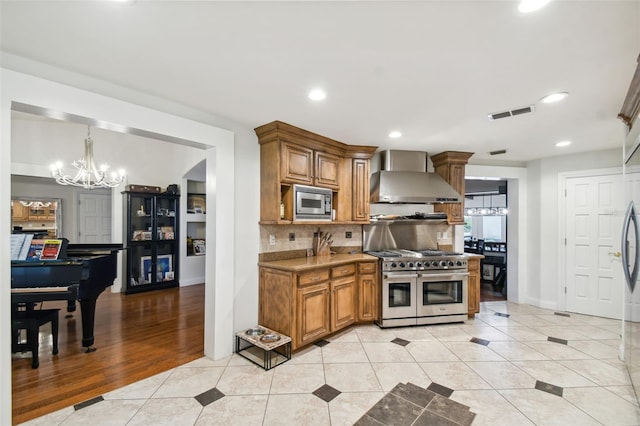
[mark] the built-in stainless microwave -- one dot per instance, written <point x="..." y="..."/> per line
<point x="312" y="203"/>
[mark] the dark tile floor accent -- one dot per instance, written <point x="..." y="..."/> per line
<point x="549" y="388"/>
<point x="401" y="342"/>
<point x="439" y="389"/>
<point x="414" y="394"/>
<point x="557" y="340"/>
<point x="322" y="343"/>
<point x="408" y="404"/>
<point x="500" y="314"/>
<point x="479" y="341"/>
<point x="562" y="314"/>
<point x="206" y="398"/>
<point x="326" y="393"/>
<point x="88" y="402"/>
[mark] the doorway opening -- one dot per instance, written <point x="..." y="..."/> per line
<point x="485" y="233"/>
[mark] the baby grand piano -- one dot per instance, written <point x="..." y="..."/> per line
<point x="82" y="274"/>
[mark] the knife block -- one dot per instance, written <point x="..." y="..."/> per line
<point x="321" y="247"/>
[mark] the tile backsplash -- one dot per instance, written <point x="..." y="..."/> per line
<point x="303" y="236"/>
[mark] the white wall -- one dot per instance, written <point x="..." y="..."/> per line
<point x="219" y="299"/>
<point x="543" y="288"/>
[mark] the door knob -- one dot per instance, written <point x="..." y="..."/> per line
<point x="615" y="254"/>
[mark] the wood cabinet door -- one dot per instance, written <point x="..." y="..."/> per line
<point x="360" y="200"/>
<point x="343" y="303"/>
<point x="368" y="297"/>
<point x="327" y="170"/>
<point x="297" y="164"/>
<point x="474" y="286"/>
<point x="275" y="309"/>
<point x="313" y="318"/>
<point x="19" y="213"/>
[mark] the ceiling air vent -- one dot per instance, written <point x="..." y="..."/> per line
<point x="498" y="152"/>
<point x="511" y="113"/>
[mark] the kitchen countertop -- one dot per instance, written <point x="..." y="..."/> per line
<point x="474" y="255"/>
<point x="305" y="263"/>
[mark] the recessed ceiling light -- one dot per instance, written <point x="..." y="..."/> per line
<point x="563" y="143"/>
<point x="527" y="6"/>
<point x="395" y="134"/>
<point x="554" y="97"/>
<point x="317" y="95"/>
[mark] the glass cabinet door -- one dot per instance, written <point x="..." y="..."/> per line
<point x="140" y="218"/>
<point x="166" y="218"/>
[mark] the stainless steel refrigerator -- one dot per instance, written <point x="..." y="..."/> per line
<point x="630" y="236"/>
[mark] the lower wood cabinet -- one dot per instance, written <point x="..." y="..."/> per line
<point x="368" y="292"/>
<point x="313" y="306"/>
<point x="310" y="305"/>
<point x="343" y="302"/>
<point x="474" y="285"/>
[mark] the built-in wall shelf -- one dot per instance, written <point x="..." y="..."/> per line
<point x="196" y="218"/>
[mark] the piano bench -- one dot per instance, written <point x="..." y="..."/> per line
<point x="31" y="320"/>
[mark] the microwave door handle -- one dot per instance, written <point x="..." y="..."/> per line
<point x="630" y="276"/>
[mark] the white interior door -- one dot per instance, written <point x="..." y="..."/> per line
<point x="593" y="223"/>
<point x="94" y="219"/>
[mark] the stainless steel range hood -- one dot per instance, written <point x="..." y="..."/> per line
<point x="403" y="178"/>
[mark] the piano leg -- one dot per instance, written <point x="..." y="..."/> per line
<point x="88" y="311"/>
<point x="71" y="307"/>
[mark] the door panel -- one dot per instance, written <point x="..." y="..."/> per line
<point x="94" y="218"/>
<point x="593" y="227"/>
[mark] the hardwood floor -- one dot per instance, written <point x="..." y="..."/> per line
<point x="488" y="293"/>
<point x="136" y="336"/>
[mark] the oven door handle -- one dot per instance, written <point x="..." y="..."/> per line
<point x="392" y="276"/>
<point x="451" y="275"/>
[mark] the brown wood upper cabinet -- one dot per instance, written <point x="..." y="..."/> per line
<point x="450" y="165"/>
<point x="290" y="155"/>
<point x="19" y="213"/>
<point x="307" y="166"/>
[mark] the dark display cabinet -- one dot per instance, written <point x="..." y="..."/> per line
<point x="151" y="259"/>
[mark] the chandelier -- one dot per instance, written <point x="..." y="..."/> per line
<point x="36" y="204"/>
<point x="87" y="175"/>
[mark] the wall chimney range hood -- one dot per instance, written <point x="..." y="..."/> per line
<point x="403" y="178"/>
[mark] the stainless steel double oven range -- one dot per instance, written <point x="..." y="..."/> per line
<point x="418" y="286"/>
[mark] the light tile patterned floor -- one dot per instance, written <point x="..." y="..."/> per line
<point x="512" y="375"/>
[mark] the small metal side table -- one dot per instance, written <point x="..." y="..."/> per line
<point x="263" y="347"/>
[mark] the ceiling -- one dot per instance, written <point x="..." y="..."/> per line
<point x="433" y="70"/>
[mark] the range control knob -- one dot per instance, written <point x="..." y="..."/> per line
<point x="418" y="264"/>
<point x="434" y="263"/>
<point x="410" y="264"/>
<point x="459" y="263"/>
<point x="393" y="264"/>
<point x="402" y="264"/>
<point x="443" y="263"/>
<point x="451" y="263"/>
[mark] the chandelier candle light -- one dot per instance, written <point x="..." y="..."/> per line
<point x="88" y="176"/>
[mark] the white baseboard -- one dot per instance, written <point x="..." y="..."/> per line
<point x="191" y="281"/>
<point x="544" y="304"/>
